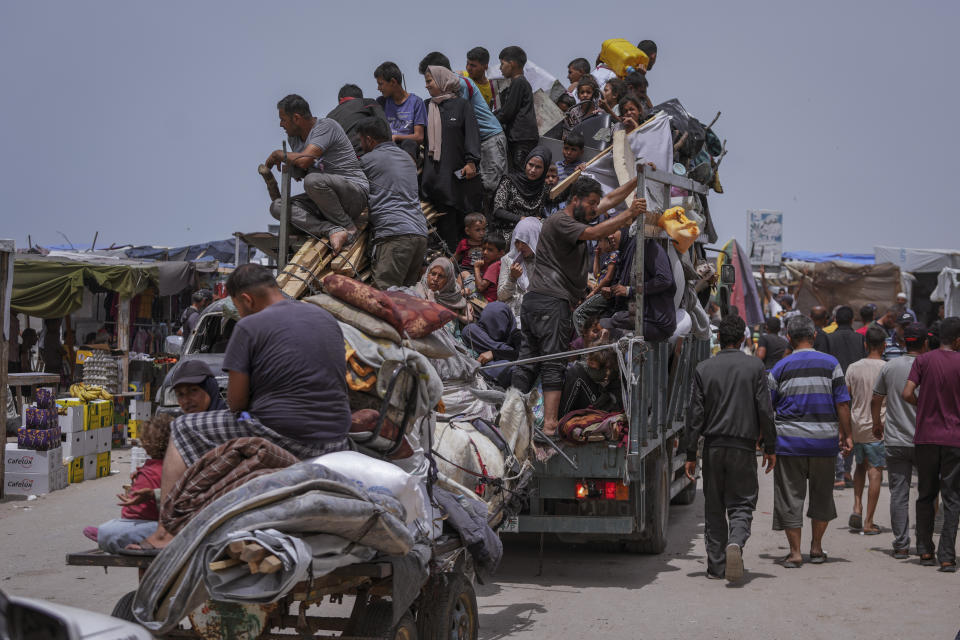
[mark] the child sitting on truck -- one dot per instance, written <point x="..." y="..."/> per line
<point x="140" y="513"/>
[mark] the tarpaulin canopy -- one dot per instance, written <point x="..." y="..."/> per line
<point x="820" y="256"/>
<point x="919" y="260"/>
<point x="45" y="287"/>
<point x="829" y="284"/>
<point x="222" y="250"/>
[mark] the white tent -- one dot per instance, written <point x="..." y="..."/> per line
<point x="918" y="260"/>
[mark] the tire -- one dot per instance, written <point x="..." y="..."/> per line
<point x="657" y="512"/>
<point x="376" y="622"/>
<point x="124" y="608"/>
<point x="448" y="609"/>
<point x="687" y="496"/>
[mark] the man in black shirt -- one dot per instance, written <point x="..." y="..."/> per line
<point x="771" y="348"/>
<point x="351" y="108"/>
<point x="730" y="407"/>
<point x="559" y="282"/>
<point x="516" y="108"/>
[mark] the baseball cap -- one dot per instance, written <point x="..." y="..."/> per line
<point x="914" y="333"/>
<point x="905" y="318"/>
<point x="190" y="372"/>
<point x="901" y="295"/>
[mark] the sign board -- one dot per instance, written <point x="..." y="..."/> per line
<point x="765" y="237"/>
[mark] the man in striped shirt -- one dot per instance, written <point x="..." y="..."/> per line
<point x="812" y="407"/>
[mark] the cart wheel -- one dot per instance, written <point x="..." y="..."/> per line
<point x="124" y="608"/>
<point x="452" y="612"/>
<point x="375" y="622"/>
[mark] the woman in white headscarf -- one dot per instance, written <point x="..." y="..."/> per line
<point x="439" y="284"/>
<point x="516" y="268"/>
<point x="450" y="179"/>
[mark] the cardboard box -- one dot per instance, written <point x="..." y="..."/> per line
<point x="91" y="420"/>
<point x="74" y="444"/>
<point x="103" y="464"/>
<point x="90" y="442"/>
<point x="133" y="426"/>
<point x="25" y="484"/>
<point x="102" y="409"/>
<point x="19" y="460"/>
<point x="38" y="439"/>
<point x="104" y="435"/>
<point x="75" y="470"/>
<point x="72" y="421"/>
<point x="70" y="402"/>
<point x="140" y="409"/>
<point x="62" y="481"/>
<point x="90" y="466"/>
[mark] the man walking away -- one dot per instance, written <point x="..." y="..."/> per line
<point x="937" y="442"/>
<point x="771" y="348"/>
<point x="846" y="345"/>
<point x="730" y="407"/>
<point x="200" y="300"/>
<point x="867" y="448"/>
<point x="812" y="416"/>
<point x="897" y="431"/>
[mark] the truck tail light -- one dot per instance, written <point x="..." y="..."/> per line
<point x="602" y="490"/>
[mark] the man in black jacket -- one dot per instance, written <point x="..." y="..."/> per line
<point x="730" y="407"/>
<point x="516" y="108"/>
<point x="847" y="346"/>
<point x="351" y="108"/>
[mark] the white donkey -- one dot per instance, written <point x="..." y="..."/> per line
<point x="470" y="462"/>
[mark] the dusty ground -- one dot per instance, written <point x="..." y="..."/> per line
<point x="861" y="592"/>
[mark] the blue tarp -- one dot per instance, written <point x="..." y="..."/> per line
<point x="819" y="256"/>
<point x="220" y="250"/>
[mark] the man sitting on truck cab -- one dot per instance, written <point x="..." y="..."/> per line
<point x="287" y="384"/>
<point x="559" y="283"/>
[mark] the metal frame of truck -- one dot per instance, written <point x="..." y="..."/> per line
<point x="650" y="467"/>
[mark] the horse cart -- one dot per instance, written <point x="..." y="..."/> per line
<point x="445" y="607"/>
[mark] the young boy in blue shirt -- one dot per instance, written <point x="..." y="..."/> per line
<point x="405" y="112"/>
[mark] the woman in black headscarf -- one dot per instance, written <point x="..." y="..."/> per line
<point x="524" y="192"/>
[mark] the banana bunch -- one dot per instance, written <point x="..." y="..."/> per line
<point x="88" y="393"/>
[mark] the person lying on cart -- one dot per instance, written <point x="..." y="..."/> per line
<point x="287" y="385"/>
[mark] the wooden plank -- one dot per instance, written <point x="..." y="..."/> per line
<point x="271" y="564"/>
<point x="220" y="565"/>
<point x="97" y="558"/>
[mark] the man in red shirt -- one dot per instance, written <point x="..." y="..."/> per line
<point x="937" y="443"/>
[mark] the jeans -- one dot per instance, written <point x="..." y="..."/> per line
<point x="938" y="471"/>
<point x="114" y="535"/>
<point x="730" y="489"/>
<point x="900" y="466"/>
<point x="493" y="161"/>
<point x="546" y="325"/>
<point x="330" y="203"/>
<point x="844" y="465"/>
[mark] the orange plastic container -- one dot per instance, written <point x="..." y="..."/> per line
<point x="622" y="56"/>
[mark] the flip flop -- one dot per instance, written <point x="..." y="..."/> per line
<point x="146" y="549"/>
<point x="927" y="560"/>
<point x="790" y="564"/>
<point x="901" y="554"/>
<point x="872" y="531"/>
<point x="950" y="567"/>
<point x="855" y="522"/>
<point x="818" y="558"/>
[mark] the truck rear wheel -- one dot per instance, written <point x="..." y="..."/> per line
<point x="377" y="619"/>
<point x="657" y="512"/>
<point x="449" y="610"/>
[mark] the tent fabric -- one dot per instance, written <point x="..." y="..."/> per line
<point x="220" y="250"/>
<point x="819" y="256"/>
<point x="918" y="260"/>
<point x="53" y="289"/>
<point x="948" y="291"/>
<point x="744" y="294"/>
<point x="834" y="283"/>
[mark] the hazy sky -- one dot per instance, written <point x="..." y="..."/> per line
<point x="146" y="121"/>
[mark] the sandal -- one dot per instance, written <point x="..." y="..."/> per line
<point x="948" y="567"/>
<point x="790" y="564"/>
<point x="873" y="530"/>
<point x="927" y="560"/>
<point x="145" y="549"/>
<point x="901" y="554"/>
<point x="818" y="558"/>
<point x="855" y="522"/>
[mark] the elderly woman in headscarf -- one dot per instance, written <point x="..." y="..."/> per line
<point x="450" y="179"/>
<point x="439" y="284"/>
<point x="494" y="337"/>
<point x="523" y="193"/>
<point x="516" y="267"/>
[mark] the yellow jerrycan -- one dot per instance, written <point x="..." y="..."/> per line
<point x="622" y="56"/>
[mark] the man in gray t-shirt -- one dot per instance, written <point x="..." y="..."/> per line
<point x="897" y="431"/>
<point x="335" y="187"/>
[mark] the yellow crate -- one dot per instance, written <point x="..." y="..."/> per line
<point x="103" y="464"/>
<point x="133" y="426"/>
<point x="75" y="470"/>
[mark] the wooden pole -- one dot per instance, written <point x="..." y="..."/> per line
<point x="6" y="274"/>
<point x="123" y="340"/>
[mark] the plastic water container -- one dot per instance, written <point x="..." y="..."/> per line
<point x="138" y="458"/>
<point x="622" y="56"/>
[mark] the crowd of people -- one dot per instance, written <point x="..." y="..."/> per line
<point x="543" y="271"/>
<point x="815" y="394"/>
